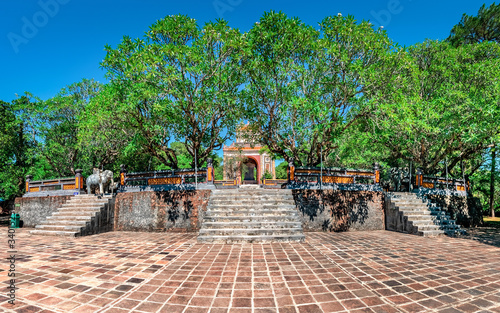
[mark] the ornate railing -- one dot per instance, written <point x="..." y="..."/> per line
<point x="437" y="182"/>
<point x="178" y="177"/>
<point x="57" y="185"/>
<point x="226" y="184"/>
<point x="273" y="183"/>
<point x="333" y="175"/>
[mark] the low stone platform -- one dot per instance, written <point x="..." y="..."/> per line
<point x="371" y="271"/>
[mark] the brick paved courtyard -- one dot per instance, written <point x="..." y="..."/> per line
<point x="376" y="271"/>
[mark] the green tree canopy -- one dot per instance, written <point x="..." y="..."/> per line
<point x="474" y="29"/>
<point x="16" y="145"/>
<point x="305" y="89"/>
<point x="58" y="124"/>
<point x="181" y="82"/>
<point x="447" y="105"/>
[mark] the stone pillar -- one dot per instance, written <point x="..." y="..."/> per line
<point x="78" y="180"/>
<point x="419" y="178"/>
<point x="123" y="175"/>
<point x="376" y="172"/>
<point x="210" y="171"/>
<point x="28" y="180"/>
<point x="291" y="170"/>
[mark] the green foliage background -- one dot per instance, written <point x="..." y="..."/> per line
<point x="344" y="93"/>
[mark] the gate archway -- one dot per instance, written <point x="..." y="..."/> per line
<point x="251" y="171"/>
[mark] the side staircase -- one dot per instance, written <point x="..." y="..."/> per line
<point x="408" y="213"/>
<point x="251" y="215"/>
<point x="82" y="215"/>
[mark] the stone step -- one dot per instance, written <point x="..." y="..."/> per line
<point x="434" y="226"/>
<point x="80" y="223"/>
<point x="216" y="213"/>
<point x="416" y="203"/>
<point x="246" y="225"/>
<point x="90" y="199"/>
<point x="251" y="215"/>
<point x="250" y="193"/>
<point x="428" y="219"/>
<point x="423" y="213"/>
<point x="433" y="221"/>
<point x="76" y="213"/>
<point x="60" y="227"/>
<point x="249" y="219"/>
<point x="431" y="213"/>
<point x="245" y="239"/>
<point x="431" y="233"/>
<point x="84" y="203"/>
<point x="418" y="207"/>
<point x="249" y="232"/>
<point x="428" y="227"/>
<point x="252" y="202"/>
<point x="398" y="197"/>
<point x="243" y="197"/>
<point x="229" y="207"/>
<point x="456" y="232"/>
<point x="82" y="209"/>
<point x="53" y="233"/>
<point x="74" y="218"/>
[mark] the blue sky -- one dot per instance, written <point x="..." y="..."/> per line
<point x="48" y="44"/>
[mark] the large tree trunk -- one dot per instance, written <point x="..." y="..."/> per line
<point x="492" y="180"/>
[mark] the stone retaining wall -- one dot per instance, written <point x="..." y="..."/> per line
<point x="158" y="211"/>
<point x="340" y="210"/>
<point x="34" y="210"/>
<point x="183" y="211"/>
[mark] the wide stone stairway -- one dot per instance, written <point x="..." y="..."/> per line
<point x="251" y="215"/>
<point x="81" y="215"/>
<point x="410" y="214"/>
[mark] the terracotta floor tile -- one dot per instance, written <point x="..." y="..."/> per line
<point x="375" y="271"/>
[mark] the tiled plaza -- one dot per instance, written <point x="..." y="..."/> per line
<point x="377" y="271"/>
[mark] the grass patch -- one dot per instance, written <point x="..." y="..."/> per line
<point x="491" y="221"/>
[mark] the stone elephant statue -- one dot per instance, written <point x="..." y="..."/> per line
<point x="101" y="179"/>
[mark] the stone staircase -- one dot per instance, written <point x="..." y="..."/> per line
<point x="251" y="215"/>
<point x="80" y="216"/>
<point x="408" y="213"/>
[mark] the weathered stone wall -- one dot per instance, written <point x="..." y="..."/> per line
<point x="158" y="211"/>
<point x="34" y="210"/>
<point x="340" y="210"/>
<point x="466" y="211"/>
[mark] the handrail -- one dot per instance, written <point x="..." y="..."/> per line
<point x="167" y="177"/>
<point x="333" y="175"/>
<point x="70" y="184"/>
<point x="439" y="182"/>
